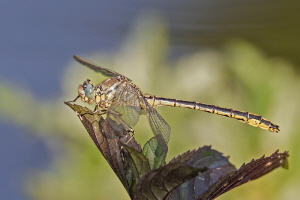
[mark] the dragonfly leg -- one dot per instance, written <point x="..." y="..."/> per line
<point x="96" y="108"/>
<point x="95" y="111"/>
<point x="131" y="137"/>
<point x="74" y="99"/>
<point x="79" y="115"/>
<point x="118" y="118"/>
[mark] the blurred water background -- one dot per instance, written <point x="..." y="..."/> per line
<point x="243" y="55"/>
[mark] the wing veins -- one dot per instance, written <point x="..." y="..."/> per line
<point x="97" y="68"/>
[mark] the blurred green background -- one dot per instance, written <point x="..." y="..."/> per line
<point x="241" y="56"/>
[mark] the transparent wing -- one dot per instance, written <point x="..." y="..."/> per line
<point x="96" y="68"/>
<point x="126" y="105"/>
<point x="159" y="126"/>
<point x="126" y="109"/>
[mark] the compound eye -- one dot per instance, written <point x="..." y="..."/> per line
<point x="80" y="90"/>
<point x="86" y="82"/>
<point x="89" y="91"/>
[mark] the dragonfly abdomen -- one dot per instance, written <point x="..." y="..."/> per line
<point x="246" y="117"/>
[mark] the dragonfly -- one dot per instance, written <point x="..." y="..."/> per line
<point x="123" y="102"/>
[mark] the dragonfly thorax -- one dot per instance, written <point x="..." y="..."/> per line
<point x="106" y="92"/>
<point x="103" y="94"/>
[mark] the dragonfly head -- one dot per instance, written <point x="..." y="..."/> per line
<point x="86" y="91"/>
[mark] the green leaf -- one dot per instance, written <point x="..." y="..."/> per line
<point x="216" y="164"/>
<point x="108" y="141"/>
<point x="198" y="174"/>
<point x="247" y="172"/>
<point x="154" y="153"/>
<point x="158" y="183"/>
<point x="138" y="161"/>
<point x="137" y="165"/>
